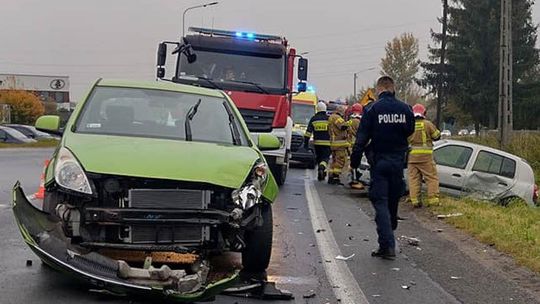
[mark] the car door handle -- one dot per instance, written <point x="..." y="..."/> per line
<point x="456" y="175"/>
<point x="503" y="184"/>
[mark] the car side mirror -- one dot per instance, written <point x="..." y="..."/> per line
<point x="302" y="69"/>
<point x="268" y="142"/>
<point x="49" y="124"/>
<point x="161" y="60"/>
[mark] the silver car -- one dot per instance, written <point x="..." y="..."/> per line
<point x="481" y="172"/>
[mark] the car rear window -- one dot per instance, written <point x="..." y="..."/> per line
<point x="496" y="164"/>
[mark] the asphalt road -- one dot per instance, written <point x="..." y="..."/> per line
<point x="314" y="223"/>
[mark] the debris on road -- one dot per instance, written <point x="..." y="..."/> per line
<point x="351" y="238"/>
<point x="330" y="220"/>
<point x="405" y="287"/>
<point x="455" y="278"/>
<point x="411" y="240"/>
<point x="311" y="245"/>
<point x="442" y="216"/>
<point x="321" y="230"/>
<point x="310" y="294"/>
<point x="395" y="269"/>
<point x="366" y="240"/>
<point x="440" y="230"/>
<point x="343" y="258"/>
<point x="413" y="283"/>
<point x="376" y="295"/>
<point x="28" y="263"/>
<point x="349" y="225"/>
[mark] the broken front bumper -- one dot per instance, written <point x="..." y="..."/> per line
<point x="46" y="238"/>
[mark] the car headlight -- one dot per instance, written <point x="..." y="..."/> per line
<point x="250" y="194"/>
<point x="69" y="174"/>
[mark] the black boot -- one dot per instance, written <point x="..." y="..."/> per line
<point x="387" y="254"/>
<point x="321" y="174"/>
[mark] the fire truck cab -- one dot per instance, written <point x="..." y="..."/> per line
<point x="255" y="70"/>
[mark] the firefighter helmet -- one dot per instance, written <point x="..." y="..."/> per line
<point x="419" y="110"/>
<point x="357" y="109"/>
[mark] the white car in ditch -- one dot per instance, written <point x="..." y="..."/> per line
<point x="482" y="172"/>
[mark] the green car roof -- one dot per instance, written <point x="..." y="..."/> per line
<point x="159" y="85"/>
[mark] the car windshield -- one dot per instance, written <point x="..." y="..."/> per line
<point x="302" y="113"/>
<point x="266" y="71"/>
<point x="158" y="114"/>
<point x="15" y="134"/>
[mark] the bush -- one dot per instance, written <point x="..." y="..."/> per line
<point x="25" y="106"/>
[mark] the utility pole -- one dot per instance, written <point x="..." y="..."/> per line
<point x="443" y="60"/>
<point x="355" y="78"/>
<point x="505" y="75"/>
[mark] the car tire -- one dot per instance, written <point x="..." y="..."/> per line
<point x="256" y="255"/>
<point x="280" y="173"/>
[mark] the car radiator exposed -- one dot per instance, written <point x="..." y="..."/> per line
<point x="169" y="199"/>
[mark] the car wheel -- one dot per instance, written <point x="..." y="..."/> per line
<point x="256" y="255"/>
<point x="280" y="173"/>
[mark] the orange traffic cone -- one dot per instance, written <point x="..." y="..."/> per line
<point x="40" y="194"/>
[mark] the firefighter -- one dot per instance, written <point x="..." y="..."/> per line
<point x="388" y="124"/>
<point x="421" y="165"/>
<point x="337" y="129"/>
<point x="318" y="128"/>
<point x="354" y="124"/>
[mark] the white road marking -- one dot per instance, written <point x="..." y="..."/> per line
<point x="338" y="273"/>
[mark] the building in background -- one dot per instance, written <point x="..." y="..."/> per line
<point x="47" y="87"/>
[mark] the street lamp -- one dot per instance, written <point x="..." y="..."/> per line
<point x="356" y="77"/>
<point x="190" y="8"/>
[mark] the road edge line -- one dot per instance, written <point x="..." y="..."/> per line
<point x="339" y="275"/>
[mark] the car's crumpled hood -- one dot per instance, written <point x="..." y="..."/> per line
<point x="221" y="165"/>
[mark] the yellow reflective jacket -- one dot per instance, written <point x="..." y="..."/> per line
<point x="337" y="128"/>
<point x="421" y="141"/>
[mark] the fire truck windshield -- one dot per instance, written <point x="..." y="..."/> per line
<point x="230" y="71"/>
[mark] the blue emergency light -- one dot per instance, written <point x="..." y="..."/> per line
<point x="235" y="34"/>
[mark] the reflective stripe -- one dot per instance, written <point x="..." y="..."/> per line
<point x="436" y="134"/>
<point x="340" y="143"/>
<point x="421" y="151"/>
<point x="321" y="142"/>
<point x="320" y="125"/>
<point x="308" y="134"/>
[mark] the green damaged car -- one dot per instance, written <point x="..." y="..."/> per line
<point x="151" y="184"/>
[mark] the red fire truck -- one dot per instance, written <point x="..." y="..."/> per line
<point x="255" y="70"/>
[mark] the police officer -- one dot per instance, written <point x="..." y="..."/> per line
<point x="337" y="128"/>
<point x="318" y="128"/>
<point x="421" y="165"/>
<point x="388" y="124"/>
<point x="354" y="125"/>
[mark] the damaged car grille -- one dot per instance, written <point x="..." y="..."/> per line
<point x="169" y="199"/>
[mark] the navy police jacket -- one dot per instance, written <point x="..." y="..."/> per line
<point x="388" y="124"/>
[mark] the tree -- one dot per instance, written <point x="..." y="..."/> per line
<point x="401" y="63"/>
<point x="25" y="106"/>
<point x="471" y="73"/>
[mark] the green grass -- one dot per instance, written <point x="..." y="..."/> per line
<point x="514" y="230"/>
<point x="46" y="143"/>
<point x="524" y="145"/>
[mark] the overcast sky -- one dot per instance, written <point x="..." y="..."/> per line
<point x="118" y="38"/>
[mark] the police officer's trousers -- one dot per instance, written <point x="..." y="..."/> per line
<point x="387" y="187"/>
